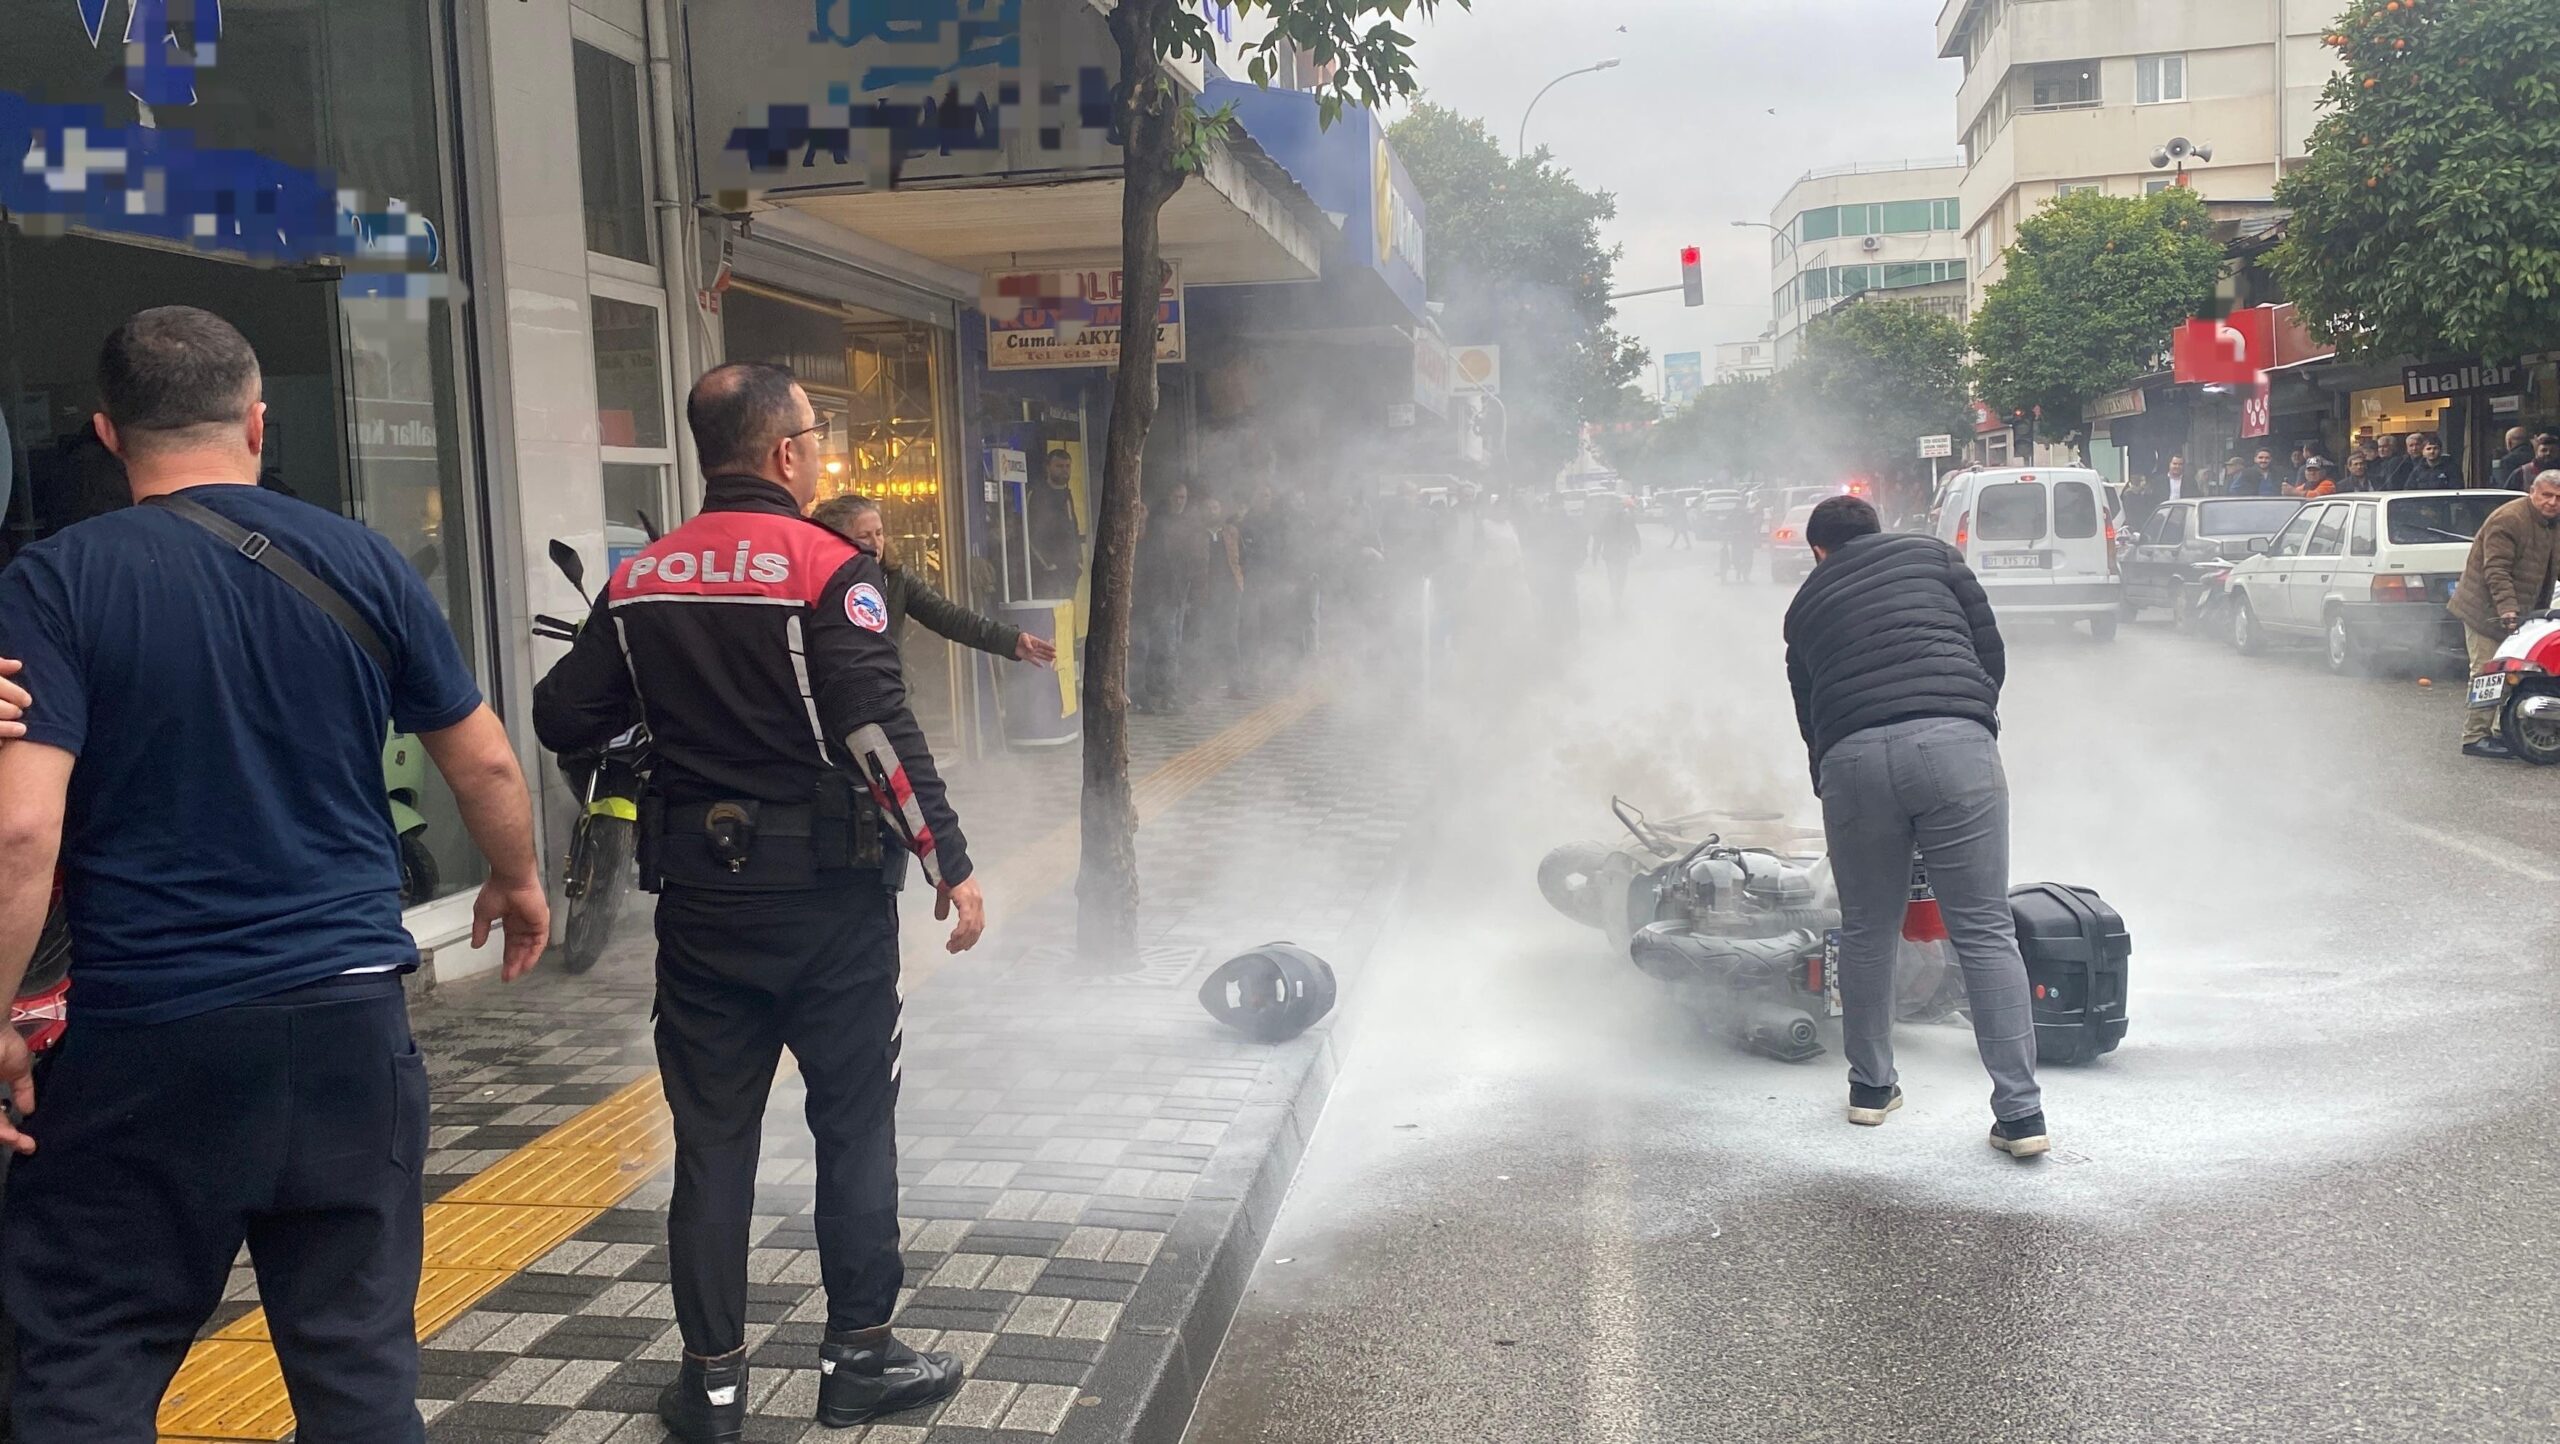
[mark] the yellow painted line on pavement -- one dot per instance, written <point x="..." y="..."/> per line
<point x="520" y="1208"/>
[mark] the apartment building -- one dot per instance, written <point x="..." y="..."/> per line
<point x="1746" y="360"/>
<point x="2070" y="95"/>
<point x="1892" y="229"/>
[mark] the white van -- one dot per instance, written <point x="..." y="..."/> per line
<point x="2040" y="538"/>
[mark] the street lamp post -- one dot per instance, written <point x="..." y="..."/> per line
<point x="1609" y="64"/>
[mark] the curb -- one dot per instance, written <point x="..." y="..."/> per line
<point x="1153" y="1370"/>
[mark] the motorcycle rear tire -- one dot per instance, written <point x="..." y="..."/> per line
<point x="2537" y="743"/>
<point x="599" y="857"/>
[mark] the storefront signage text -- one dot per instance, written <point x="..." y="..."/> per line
<point x="2441" y="379"/>
<point x="1046" y="319"/>
<point x="874" y="94"/>
<point x="1432" y="365"/>
<point x="2117" y="405"/>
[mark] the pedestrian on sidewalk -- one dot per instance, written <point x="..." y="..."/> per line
<point x="213" y="673"/>
<point x="2514" y="561"/>
<point x="2430" y="469"/>
<point x="857" y="519"/>
<point x="2519" y="453"/>
<point x="1897" y="665"/>
<point x="1684" y="523"/>
<point x="1217" y="608"/>
<point x="787" y="765"/>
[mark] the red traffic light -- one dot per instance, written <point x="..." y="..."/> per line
<point x="1688" y="255"/>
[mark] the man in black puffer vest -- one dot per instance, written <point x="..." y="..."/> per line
<point x="1897" y="664"/>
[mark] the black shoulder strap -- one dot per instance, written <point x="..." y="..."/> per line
<point x="258" y="548"/>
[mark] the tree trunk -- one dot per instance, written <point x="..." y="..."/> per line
<point x="1148" y="109"/>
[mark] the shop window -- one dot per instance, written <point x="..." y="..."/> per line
<point x="366" y="406"/>
<point x="2159" y="78"/>
<point x="611" y="171"/>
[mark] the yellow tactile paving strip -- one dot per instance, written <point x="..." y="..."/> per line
<point x="495" y="1226"/>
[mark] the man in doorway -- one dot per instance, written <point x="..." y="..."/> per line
<point x="1897" y="665"/>
<point x="858" y="520"/>
<point x="2513" y="564"/>
<point x="2390" y="463"/>
<point x="213" y="673"/>
<point x="1057" y="544"/>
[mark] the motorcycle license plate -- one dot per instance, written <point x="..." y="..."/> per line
<point x="2489" y="690"/>
<point x="1831" y="972"/>
<point x="2014" y="562"/>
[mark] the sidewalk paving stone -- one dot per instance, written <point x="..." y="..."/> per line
<point x="1072" y="1152"/>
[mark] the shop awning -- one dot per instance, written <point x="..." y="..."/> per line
<point x="1226" y="226"/>
<point x="1350" y="171"/>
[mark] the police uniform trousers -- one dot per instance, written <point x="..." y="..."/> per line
<point x="742" y="976"/>
<point x="295" y="1124"/>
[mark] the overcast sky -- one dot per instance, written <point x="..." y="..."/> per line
<point x="1682" y="130"/>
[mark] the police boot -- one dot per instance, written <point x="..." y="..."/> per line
<point x="707" y="1404"/>
<point x="865" y="1373"/>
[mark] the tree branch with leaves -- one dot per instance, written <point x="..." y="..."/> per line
<point x="1165" y="139"/>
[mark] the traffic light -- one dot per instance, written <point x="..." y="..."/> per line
<point x="1693" y="278"/>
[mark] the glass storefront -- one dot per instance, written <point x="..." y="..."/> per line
<point x="878" y="382"/>
<point x="361" y="355"/>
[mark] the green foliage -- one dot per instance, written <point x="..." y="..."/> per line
<point x="2095" y="285"/>
<point x="2419" y="224"/>
<point x="1874" y="378"/>
<point x="1517" y="261"/>
<point x="1369" y="61"/>
<point x="1881" y="374"/>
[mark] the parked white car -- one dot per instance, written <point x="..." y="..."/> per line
<point x="2367" y="575"/>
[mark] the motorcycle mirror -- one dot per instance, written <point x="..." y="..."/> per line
<point x="565" y="557"/>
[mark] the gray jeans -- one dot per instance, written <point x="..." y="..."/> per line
<point x="1933" y="784"/>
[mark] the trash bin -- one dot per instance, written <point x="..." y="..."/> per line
<point x="1041" y="707"/>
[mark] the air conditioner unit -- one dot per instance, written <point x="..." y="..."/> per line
<point x="1872" y="244"/>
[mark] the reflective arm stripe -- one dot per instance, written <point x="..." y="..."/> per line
<point x="808" y="695"/>
<point x="878" y="761"/>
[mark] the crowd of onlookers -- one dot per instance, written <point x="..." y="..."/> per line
<point x="2415" y="462"/>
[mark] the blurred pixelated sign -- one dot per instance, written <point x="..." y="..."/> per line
<point x="869" y="95"/>
<point x="1046" y="319"/>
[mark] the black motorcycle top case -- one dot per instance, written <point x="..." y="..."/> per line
<point x="2078" y="955"/>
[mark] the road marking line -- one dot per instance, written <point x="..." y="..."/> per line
<point x="504" y="1219"/>
<point x="2477" y="853"/>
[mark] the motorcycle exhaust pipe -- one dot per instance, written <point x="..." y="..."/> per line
<point x="2539" y="708"/>
<point x="1781" y="1033"/>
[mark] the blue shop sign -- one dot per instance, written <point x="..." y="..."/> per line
<point x="1349" y="170"/>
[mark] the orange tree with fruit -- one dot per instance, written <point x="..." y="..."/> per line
<point x="2423" y="223"/>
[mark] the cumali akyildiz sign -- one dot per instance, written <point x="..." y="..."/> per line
<point x="1047" y="319"/>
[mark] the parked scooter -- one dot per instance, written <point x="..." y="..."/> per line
<point x="2523" y="684"/>
<point x="607" y="783"/>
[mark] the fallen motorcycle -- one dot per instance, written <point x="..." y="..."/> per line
<point x="1747" y="939"/>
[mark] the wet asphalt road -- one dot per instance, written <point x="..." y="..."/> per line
<point x="2312" y="1197"/>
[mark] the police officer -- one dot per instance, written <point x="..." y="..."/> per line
<point x="791" y="783"/>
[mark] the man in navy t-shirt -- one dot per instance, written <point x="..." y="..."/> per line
<point x="202" y="754"/>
